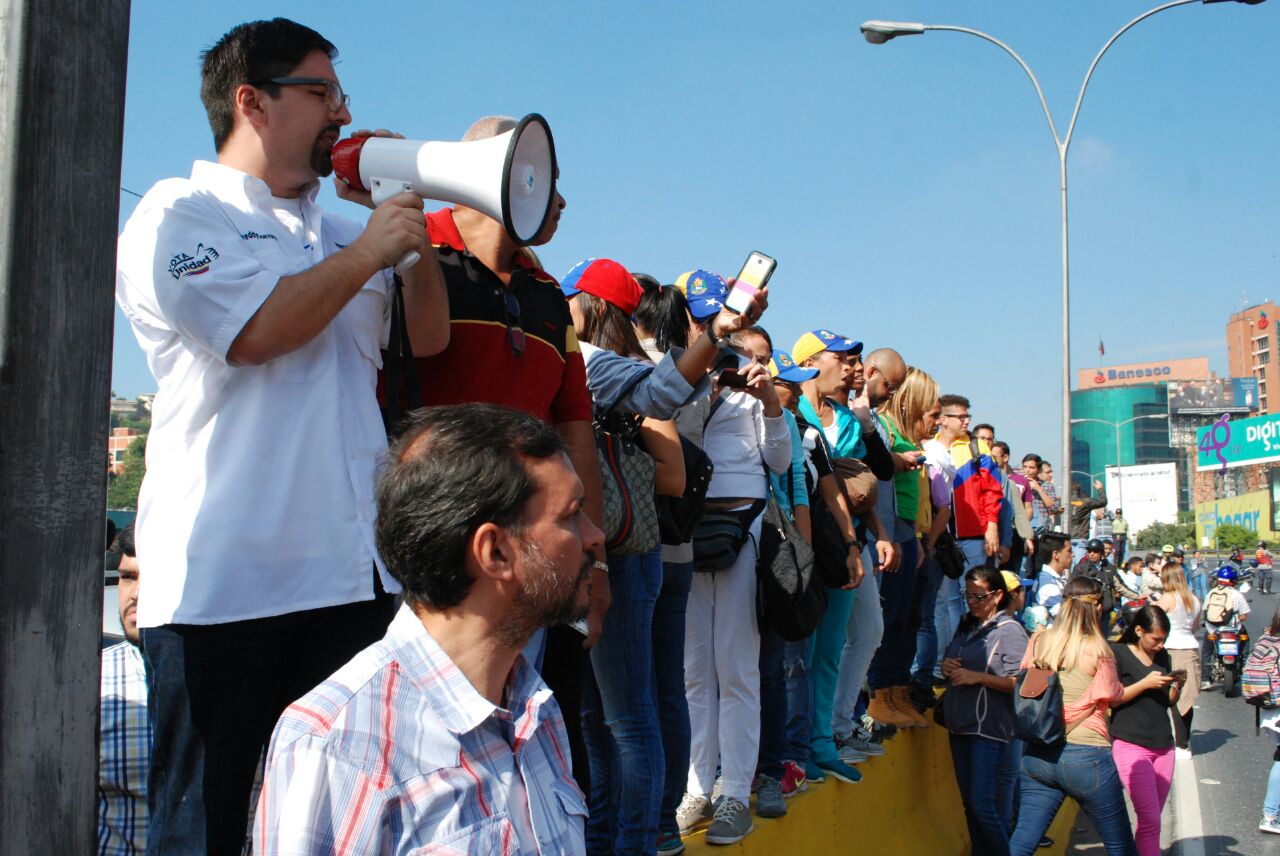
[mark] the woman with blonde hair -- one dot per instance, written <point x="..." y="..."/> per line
<point x="909" y="416"/>
<point x="1081" y="766"/>
<point x="1183" y="609"/>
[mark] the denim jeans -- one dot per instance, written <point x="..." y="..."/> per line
<point x="1271" y="803"/>
<point x="1085" y="773"/>
<point x="215" y="693"/>
<point x="1007" y="781"/>
<point x="773" y="704"/>
<point x="1198" y="583"/>
<point x="926" y="659"/>
<point x="795" y="671"/>
<point x="891" y="663"/>
<point x="977" y="761"/>
<point x="619" y="718"/>
<point x="668" y="671"/>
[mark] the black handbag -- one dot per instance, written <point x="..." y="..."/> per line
<point x="678" y="516"/>
<point x="790" y="594"/>
<point x="1037" y="708"/>
<point x="720" y="536"/>
<point x="949" y="556"/>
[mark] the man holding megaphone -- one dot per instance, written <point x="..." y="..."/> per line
<point x="262" y="317"/>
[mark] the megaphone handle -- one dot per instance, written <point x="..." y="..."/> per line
<point x="407" y="261"/>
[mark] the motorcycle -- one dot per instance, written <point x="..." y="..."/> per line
<point x="1227" y="646"/>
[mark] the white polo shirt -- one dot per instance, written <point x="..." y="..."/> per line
<point x="258" y="498"/>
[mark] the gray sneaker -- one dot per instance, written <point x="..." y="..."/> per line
<point x="850" y="755"/>
<point x="769" y="801"/>
<point x="731" y="823"/>
<point x="860" y="744"/>
<point x="693" y="810"/>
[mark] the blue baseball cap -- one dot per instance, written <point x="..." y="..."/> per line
<point x="785" y="368"/>
<point x="705" y="292"/>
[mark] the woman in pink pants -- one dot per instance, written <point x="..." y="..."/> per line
<point x="1142" y="737"/>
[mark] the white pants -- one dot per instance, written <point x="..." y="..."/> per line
<point x="862" y="638"/>
<point x="722" y="676"/>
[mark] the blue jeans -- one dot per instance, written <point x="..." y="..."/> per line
<point x="1085" y="773"/>
<point x="773" y="704"/>
<point x="619" y="717"/>
<point x="926" y="659"/>
<point x="215" y="693"/>
<point x="891" y="665"/>
<point x="668" y="671"/>
<point x="977" y="761"/>
<point x="1199" y="585"/>
<point x="1007" y="780"/>
<point x="795" y="670"/>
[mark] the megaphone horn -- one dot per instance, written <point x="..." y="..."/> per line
<point x="510" y="177"/>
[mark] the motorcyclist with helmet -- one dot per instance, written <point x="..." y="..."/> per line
<point x="1095" y="566"/>
<point x="1224" y="607"/>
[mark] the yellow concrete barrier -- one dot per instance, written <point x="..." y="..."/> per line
<point x="907" y="804"/>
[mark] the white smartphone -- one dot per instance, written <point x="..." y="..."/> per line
<point x="754" y="276"/>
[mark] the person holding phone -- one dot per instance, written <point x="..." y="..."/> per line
<point x="1142" y="738"/>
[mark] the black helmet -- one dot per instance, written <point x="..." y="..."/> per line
<point x="1094" y="546"/>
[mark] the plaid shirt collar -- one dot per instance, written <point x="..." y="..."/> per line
<point x="451" y="696"/>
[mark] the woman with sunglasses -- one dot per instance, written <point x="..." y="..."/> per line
<point x="979" y="666"/>
<point x="1081" y="767"/>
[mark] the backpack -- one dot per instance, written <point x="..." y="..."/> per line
<point x="1217" y="606"/>
<point x="1260" y="677"/>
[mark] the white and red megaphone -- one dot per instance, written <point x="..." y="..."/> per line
<point x="510" y="177"/>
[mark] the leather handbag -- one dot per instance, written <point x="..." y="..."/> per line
<point x="720" y="536"/>
<point x="1037" y="708"/>
<point x="790" y="594"/>
<point x="678" y="516"/>
<point x="949" y="556"/>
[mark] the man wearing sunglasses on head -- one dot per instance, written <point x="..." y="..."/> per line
<point x="261" y="316"/>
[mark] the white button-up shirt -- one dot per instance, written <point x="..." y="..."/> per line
<point x="258" y="498"/>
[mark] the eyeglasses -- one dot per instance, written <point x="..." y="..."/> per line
<point x="977" y="598"/>
<point x="515" y="333"/>
<point x="334" y="98"/>
<point x="963" y="417"/>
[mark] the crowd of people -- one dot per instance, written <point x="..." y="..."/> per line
<point x="534" y="622"/>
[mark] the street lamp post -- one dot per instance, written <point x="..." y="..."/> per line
<point x="1119" y="463"/>
<point x="880" y="32"/>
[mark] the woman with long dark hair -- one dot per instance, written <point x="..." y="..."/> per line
<point x="1142" y="739"/>
<point x="980" y="664"/>
<point x="1080" y="767"/>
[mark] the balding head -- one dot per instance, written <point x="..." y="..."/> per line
<point x="885" y="372"/>
<point x="488" y="126"/>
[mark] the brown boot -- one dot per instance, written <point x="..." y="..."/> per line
<point x="900" y="698"/>
<point x="882" y="709"/>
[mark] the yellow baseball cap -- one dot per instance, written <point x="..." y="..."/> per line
<point x="816" y="341"/>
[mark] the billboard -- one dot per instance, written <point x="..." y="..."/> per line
<point x="1238" y="442"/>
<point x="1190" y="368"/>
<point x="1148" y="493"/>
<point x="1214" y="396"/>
<point x="1252" y="511"/>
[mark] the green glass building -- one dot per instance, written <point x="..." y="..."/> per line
<point x="1144" y="440"/>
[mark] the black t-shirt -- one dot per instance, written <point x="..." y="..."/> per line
<point x="1145" y="720"/>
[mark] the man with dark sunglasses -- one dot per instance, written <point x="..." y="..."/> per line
<point x="261" y="316"/>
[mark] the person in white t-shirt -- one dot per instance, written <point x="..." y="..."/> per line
<point x="262" y="317"/>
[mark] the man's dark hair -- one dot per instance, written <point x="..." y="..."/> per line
<point x="1032" y="456"/>
<point x="453" y="469"/>
<point x="662" y="313"/>
<point x="1050" y="543"/>
<point x="253" y="51"/>
<point x="761" y="332"/>
<point x="976" y="428"/>
<point x="1001" y="444"/>
<point x="1044" y="463"/>
<point x="953" y="401"/>
<point x="124" y="542"/>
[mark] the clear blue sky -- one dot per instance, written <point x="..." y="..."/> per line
<point x="909" y="191"/>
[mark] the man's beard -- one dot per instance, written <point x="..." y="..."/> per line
<point x="322" y="153"/>
<point x="544" y="601"/>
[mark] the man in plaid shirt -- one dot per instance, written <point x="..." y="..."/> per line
<point x="442" y="733"/>
<point x="124" y="737"/>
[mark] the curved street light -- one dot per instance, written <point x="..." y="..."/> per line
<point x="1117" y="426"/>
<point x="880" y="32"/>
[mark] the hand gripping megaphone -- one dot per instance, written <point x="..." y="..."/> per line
<point x="510" y="177"/>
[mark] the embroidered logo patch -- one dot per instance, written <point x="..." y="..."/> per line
<point x="251" y="235"/>
<point x="192" y="265"/>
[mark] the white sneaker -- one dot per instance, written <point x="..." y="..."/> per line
<point x="1181" y="754"/>
<point x="693" y="810"/>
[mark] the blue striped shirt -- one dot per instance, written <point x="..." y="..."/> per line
<point x="124" y="745"/>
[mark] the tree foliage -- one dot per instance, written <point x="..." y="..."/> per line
<point x="122" y="491"/>
<point x="1230" y="536"/>
<point x="1157" y="535"/>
